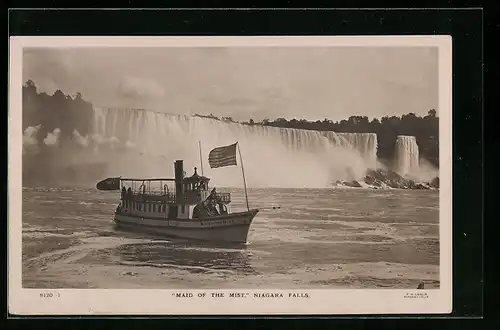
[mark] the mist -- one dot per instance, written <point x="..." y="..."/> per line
<point x="425" y="172"/>
<point x="272" y="157"/>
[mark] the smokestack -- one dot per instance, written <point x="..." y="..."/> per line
<point x="179" y="176"/>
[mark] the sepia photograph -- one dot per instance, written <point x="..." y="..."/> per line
<point x="249" y="171"/>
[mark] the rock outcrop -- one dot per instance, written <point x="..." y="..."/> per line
<point x="380" y="179"/>
<point x="434" y="183"/>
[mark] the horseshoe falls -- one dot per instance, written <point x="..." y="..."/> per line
<point x="144" y="143"/>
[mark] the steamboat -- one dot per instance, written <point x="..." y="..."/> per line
<point x="184" y="207"/>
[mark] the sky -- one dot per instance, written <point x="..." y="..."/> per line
<point x="248" y="82"/>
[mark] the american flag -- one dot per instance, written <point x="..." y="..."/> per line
<point x="223" y="156"/>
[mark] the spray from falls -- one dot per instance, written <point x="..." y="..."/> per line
<point x="273" y="157"/>
<point x="366" y="144"/>
<point x="406" y="155"/>
<point x="30" y="142"/>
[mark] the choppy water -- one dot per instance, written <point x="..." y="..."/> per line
<point x="319" y="238"/>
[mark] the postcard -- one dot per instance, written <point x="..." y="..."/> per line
<point x="230" y="175"/>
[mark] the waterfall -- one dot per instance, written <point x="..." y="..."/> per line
<point x="278" y="157"/>
<point x="366" y="144"/>
<point x="406" y="155"/>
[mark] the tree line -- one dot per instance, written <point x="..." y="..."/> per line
<point x="70" y="112"/>
<point x="425" y="129"/>
<point x="59" y="110"/>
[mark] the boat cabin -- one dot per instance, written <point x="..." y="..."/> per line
<point x="170" y="199"/>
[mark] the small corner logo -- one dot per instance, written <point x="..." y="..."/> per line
<point x="416" y="295"/>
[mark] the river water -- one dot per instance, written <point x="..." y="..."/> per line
<point x="317" y="238"/>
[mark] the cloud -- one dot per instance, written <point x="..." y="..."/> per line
<point x="138" y="88"/>
<point x="51" y="69"/>
<point x="230" y="102"/>
<point x="323" y="82"/>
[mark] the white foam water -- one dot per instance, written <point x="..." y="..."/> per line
<point x="406" y="155"/>
<point x="272" y="156"/>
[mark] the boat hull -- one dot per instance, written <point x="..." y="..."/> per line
<point x="231" y="228"/>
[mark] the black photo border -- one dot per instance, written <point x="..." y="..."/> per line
<point x="464" y="25"/>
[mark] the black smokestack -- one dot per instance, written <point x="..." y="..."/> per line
<point x="179" y="176"/>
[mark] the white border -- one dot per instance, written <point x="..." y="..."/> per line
<point x="161" y="302"/>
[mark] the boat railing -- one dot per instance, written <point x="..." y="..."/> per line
<point x="167" y="197"/>
<point x="224" y="197"/>
<point x="171" y="198"/>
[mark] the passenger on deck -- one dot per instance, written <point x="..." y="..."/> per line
<point x="222" y="208"/>
<point x="124" y="192"/>
<point x="214" y="207"/>
<point x="129" y="192"/>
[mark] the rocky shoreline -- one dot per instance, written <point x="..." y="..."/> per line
<point x="382" y="179"/>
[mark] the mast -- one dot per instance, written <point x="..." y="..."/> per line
<point x="201" y="159"/>
<point x="243" y="172"/>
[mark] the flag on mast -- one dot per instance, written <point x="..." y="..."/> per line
<point x="223" y="156"/>
<point x="226" y="156"/>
